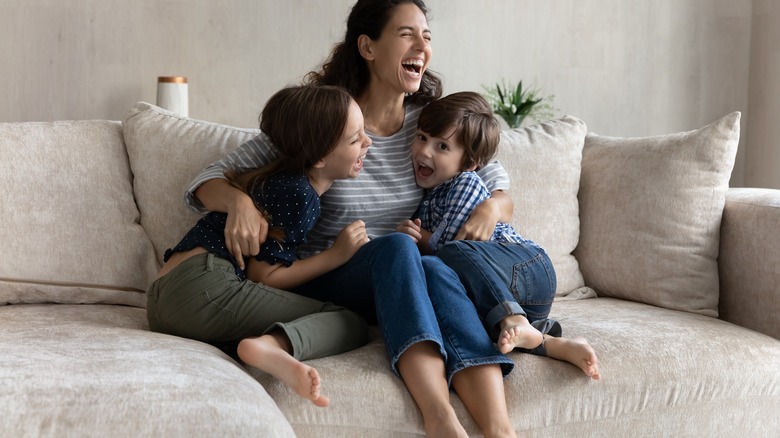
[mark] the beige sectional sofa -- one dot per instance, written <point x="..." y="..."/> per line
<point x="672" y="276"/>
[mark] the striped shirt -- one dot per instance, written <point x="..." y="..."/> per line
<point x="382" y="196"/>
<point x="448" y="206"/>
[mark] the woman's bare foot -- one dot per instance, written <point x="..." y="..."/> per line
<point x="576" y="351"/>
<point x="517" y="332"/>
<point x="268" y="354"/>
<point x="445" y="426"/>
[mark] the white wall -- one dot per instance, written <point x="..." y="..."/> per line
<point x="628" y="68"/>
<point x="762" y="168"/>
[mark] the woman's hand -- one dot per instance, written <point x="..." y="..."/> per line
<point x="411" y="228"/>
<point x="349" y="240"/>
<point x="245" y="229"/>
<point x="483" y="220"/>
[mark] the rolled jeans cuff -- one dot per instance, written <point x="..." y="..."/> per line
<point x="498" y="313"/>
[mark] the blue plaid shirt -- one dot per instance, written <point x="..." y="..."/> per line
<point x="448" y="206"/>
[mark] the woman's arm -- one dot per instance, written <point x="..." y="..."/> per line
<point x="246" y="228"/>
<point x="349" y="240"/>
<point x="483" y="220"/>
<point x="498" y="208"/>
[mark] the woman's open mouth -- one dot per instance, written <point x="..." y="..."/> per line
<point x="413" y="67"/>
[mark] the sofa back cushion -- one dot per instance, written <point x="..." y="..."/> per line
<point x="70" y="230"/>
<point x="167" y="151"/>
<point x="650" y="211"/>
<point x="544" y="163"/>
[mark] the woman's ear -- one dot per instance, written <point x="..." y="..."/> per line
<point x="364" y="47"/>
<point x="319" y="164"/>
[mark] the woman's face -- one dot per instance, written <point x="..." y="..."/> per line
<point x="403" y="50"/>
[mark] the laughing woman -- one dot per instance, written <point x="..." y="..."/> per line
<point x="418" y="302"/>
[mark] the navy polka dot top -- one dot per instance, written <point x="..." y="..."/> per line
<point x="293" y="205"/>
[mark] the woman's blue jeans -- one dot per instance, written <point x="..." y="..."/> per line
<point x="503" y="279"/>
<point x="413" y="298"/>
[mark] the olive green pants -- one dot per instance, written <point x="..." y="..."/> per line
<point x="203" y="299"/>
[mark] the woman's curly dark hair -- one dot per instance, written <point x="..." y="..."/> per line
<point x="346" y="68"/>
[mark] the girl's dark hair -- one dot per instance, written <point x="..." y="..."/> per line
<point x="304" y="123"/>
<point x="471" y="116"/>
<point x="345" y="67"/>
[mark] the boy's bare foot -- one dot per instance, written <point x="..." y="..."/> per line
<point x="517" y="332"/>
<point x="266" y="354"/>
<point x="576" y="351"/>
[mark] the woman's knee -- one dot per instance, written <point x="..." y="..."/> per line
<point x="395" y="245"/>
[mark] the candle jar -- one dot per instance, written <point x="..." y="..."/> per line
<point x="172" y="94"/>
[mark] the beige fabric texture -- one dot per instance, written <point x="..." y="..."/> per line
<point x="70" y="231"/>
<point x="96" y="371"/>
<point x="166" y="153"/>
<point x="544" y="162"/>
<point x="650" y="212"/>
<point x="662" y="371"/>
<point x="749" y="261"/>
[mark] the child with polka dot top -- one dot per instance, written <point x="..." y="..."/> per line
<point x="202" y="292"/>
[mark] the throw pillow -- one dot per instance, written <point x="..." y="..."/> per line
<point x="544" y="162"/>
<point x="167" y="151"/>
<point x="650" y="211"/>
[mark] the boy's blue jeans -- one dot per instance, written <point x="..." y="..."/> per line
<point x="413" y="299"/>
<point x="503" y="279"/>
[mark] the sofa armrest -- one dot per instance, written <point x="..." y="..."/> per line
<point x="749" y="260"/>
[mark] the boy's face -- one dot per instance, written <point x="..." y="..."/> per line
<point x="436" y="159"/>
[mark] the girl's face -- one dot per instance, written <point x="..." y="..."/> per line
<point x="402" y="53"/>
<point x="346" y="159"/>
<point x="437" y="159"/>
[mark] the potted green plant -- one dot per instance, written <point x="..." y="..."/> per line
<point x="514" y="103"/>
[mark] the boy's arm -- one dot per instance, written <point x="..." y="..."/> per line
<point x="424" y="243"/>
<point x="413" y="228"/>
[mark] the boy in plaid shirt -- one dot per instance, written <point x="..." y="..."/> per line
<point x="510" y="279"/>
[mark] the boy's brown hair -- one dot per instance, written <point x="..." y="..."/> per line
<point x="471" y="116"/>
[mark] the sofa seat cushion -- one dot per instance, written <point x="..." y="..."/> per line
<point x="92" y="369"/>
<point x="703" y="376"/>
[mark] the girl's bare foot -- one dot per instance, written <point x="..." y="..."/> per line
<point x="266" y="354"/>
<point x="576" y="351"/>
<point x="517" y="332"/>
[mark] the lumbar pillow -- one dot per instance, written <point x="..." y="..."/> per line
<point x="167" y="151"/>
<point x="544" y="162"/>
<point x="650" y="211"/>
